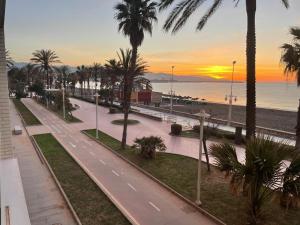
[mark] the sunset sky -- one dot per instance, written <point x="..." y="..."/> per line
<point x="85" y="31"/>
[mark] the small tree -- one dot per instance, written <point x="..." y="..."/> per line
<point x="147" y="146"/>
<point x="58" y="102"/>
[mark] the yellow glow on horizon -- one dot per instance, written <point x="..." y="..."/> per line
<point x="215" y="70"/>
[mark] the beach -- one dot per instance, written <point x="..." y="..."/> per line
<point x="269" y="118"/>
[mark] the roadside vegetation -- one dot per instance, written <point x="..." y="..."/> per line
<point x="26" y="114"/>
<point x="180" y="173"/>
<point x="121" y="122"/>
<point x="90" y="203"/>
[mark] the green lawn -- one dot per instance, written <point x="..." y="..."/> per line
<point x="27" y="115"/>
<point x="180" y="173"/>
<point x="121" y="122"/>
<point x="89" y="202"/>
<point x="69" y="118"/>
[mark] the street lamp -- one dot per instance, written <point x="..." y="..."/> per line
<point x="63" y="95"/>
<point x="202" y="116"/>
<point x="231" y="96"/>
<point x="97" y="97"/>
<point x="172" y="79"/>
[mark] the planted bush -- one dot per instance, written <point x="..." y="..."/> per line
<point x="176" y="129"/>
<point x="147" y="146"/>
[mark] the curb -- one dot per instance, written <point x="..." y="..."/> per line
<point x="57" y="114"/>
<point x="204" y="212"/>
<point x="45" y="162"/>
<point x="100" y="186"/>
<point x="89" y="174"/>
<point x="36" y="146"/>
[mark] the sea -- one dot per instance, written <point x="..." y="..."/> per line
<point x="283" y="96"/>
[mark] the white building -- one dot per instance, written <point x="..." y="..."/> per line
<point x="13" y="205"/>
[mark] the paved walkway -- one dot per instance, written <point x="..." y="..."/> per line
<point x="46" y="205"/>
<point x="146" y="127"/>
<point x="143" y="199"/>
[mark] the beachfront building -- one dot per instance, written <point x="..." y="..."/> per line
<point x="13" y="205"/>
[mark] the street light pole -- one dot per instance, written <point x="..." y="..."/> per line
<point x="64" y="107"/>
<point x="202" y="115"/>
<point x="97" y="97"/>
<point x="172" y="79"/>
<point x="231" y="96"/>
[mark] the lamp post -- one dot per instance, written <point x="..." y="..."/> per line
<point x="231" y="96"/>
<point x="97" y="97"/>
<point x="172" y="79"/>
<point x="202" y="116"/>
<point x="63" y="95"/>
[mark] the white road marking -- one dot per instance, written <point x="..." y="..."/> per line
<point x="74" y="146"/>
<point x="130" y="185"/>
<point x="154" y="206"/>
<point x="88" y="142"/>
<point x="100" y="160"/>
<point x="114" y="172"/>
<point x="92" y="153"/>
<point x="55" y="128"/>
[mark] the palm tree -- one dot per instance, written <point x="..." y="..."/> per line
<point x="179" y="16"/>
<point x="113" y="70"/>
<point x="96" y="68"/>
<point x="135" y="17"/>
<point x="261" y="174"/>
<point x="30" y="70"/>
<point x="45" y="60"/>
<point x="63" y="74"/>
<point x="291" y="59"/>
<point x="9" y="60"/>
<point x="81" y="76"/>
<point x="125" y="59"/>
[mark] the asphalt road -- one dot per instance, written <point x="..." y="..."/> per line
<point x="142" y="199"/>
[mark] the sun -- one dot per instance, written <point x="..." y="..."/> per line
<point x="217" y="70"/>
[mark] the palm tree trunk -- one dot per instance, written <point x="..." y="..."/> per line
<point x="251" y="80"/>
<point x="47" y="77"/>
<point x="112" y="95"/>
<point x="298" y="129"/>
<point x="127" y="94"/>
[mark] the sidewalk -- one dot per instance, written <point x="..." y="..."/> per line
<point x="45" y="203"/>
<point x="141" y="198"/>
<point x="146" y="127"/>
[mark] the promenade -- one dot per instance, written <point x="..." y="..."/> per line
<point x="46" y="205"/>
<point x="142" y="199"/>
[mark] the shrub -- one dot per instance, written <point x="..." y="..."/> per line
<point x="147" y="146"/>
<point x="176" y="129"/>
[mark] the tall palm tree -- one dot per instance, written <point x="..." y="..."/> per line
<point x="134" y="17"/>
<point x="81" y="76"/>
<point x="63" y="74"/>
<point x="9" y="60"/>
<point x="140" y="68"/>
<point x="45" y="60"/>
<point x="185" y="8"/>
<point x="291" y="60"/>
<point x="96" y="68"/>
<point x="261" y="174"/>
<point x="113" y="70"/>
<point x="30" y="70"/>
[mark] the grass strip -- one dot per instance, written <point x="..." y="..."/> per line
<point x="69" y="118"/>
<point x="90" y="203"/>
<point x="26" y="114"/>
<point x="121" y="122"/>
<point x="180" y="173"/>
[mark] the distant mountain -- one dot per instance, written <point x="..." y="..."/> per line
<point x="163" y="77"/>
